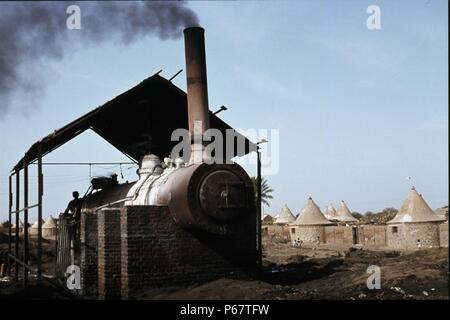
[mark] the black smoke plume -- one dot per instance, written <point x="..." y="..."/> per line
<point x="32" y="33"/>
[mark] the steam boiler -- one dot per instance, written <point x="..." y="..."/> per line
<point x="203" y="196"/>
<point x="198" y="194"/>
<point x="181" y="221"/>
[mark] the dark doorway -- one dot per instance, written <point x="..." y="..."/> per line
<point x="355" y="235"/>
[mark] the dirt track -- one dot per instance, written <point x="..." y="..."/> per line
<point x="306" y="273"/>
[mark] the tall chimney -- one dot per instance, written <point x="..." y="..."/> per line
<point x="197" y="90"/>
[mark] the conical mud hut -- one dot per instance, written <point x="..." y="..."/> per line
<point x="415" y="226"/>
<point x="344" y="214"/>
<point x="309" y="227"/>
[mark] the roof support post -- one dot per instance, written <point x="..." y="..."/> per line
<point x="258" y="211"/>
<point x="40" y="194"/>
<point x="25" y="219"/>
<point x="16" y="247"/>
<point x="10" y="205"/>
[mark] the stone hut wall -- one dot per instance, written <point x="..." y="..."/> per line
<point x="308" y="234"/>
<point x="443" y="234"/>
<point x="48" y="233"/>
<point x="407" y="235"/>
<point x="429" y="234"/>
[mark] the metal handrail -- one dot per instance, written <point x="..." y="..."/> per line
<point x="26" y="208"/>
<point x="23" y="264"/>
<point x="35" y="270"/>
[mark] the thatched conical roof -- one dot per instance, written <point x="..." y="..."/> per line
<point x="442" y="212"/>
<point x="344" y="214"/>
<point x="50" y="223"/>
<point x="267" y="218"/>
<point x="35" y="225"/>
<point x="311" y="215"/>
<point x="285" y="216"/>
<point x="20" y="224"/>
<point x="415" y="209"/>
<point x="330" y="212"/>
<point x="4" y="224"/>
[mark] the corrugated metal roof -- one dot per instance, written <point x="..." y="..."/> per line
<point x="139" y="121"/>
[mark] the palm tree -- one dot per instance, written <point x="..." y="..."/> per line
<point x="266" y="191"/>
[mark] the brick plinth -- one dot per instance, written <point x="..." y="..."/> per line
<point x="89" y="257"/>
<point x="109" y="254"/>
<point x="157" y="252"/>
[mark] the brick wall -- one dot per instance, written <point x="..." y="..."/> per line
<point x="109" y="247"/>
<point x="89" y="257"/>
<point x="157" y="252"/>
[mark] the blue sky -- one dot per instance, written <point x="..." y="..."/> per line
<point x="358" y="110"/>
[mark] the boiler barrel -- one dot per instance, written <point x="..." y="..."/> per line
<point x="208" y="196"/>
<point x="105" y="197"/>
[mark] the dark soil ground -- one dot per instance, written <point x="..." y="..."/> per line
<point x="319" y="272"/>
